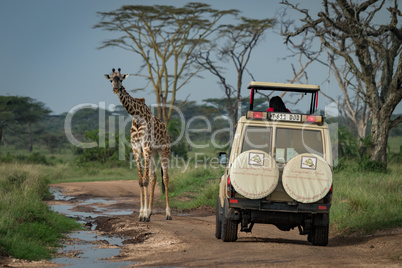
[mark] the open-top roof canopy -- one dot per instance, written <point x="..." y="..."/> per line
<point x="311" y="89"/>
<point x="283" y="87"/>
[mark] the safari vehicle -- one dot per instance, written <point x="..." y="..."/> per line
<point x="278" y="171"/>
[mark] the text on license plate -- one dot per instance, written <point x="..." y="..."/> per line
<point x="285" y="117"/>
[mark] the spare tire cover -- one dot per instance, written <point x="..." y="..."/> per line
<point x="307" y="178"/>
<point x="254" y="174"/>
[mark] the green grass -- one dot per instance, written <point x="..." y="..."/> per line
<point x="67" y="168"/>
<point x="395" y="144"/>
<point x="28" y="228"/>
<point x="65" y="155"/>
<point x="195" y="187"/>
<point x="95" y="172"/>
<point x="365" y="202"/>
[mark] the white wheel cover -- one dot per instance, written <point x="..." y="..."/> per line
<point x="307" y="178"/>
<point x="254" y="174"/>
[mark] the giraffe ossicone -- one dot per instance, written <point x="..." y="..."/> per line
<point x="149" y="138"/>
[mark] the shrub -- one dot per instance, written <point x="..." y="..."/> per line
<point x="104" y="154"/>
<point x="367" y="165"/>
<point x="34" y="158"/>
<point x="37" y="158"/>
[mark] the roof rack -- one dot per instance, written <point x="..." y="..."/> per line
<point x="311" y="89"/>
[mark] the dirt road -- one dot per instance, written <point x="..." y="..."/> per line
<point x="188" y="240"/>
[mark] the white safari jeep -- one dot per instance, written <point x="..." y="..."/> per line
<point x="278" y="171"/>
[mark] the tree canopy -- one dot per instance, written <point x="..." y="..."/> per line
<point x="19" y="113"/>
<point x="349" y="30"/>
<point x="165" y="38"/>
<point x="239" y="41"/>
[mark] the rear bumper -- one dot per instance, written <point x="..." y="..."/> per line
<point x="279" y="214"/>
<point x="263" y="205"/>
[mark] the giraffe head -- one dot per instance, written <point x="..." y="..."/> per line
<point x="116" y="79"/>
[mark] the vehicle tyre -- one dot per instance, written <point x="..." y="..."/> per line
<point x="319" y="235"/>
<point x="218" y="222"/>
<point x="229" y="227"/>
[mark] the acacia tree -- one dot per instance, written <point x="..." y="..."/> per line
<point x="165" y="38"/>
<point x="19" y="114"/>
<point x="240" y="40"/>
<point x="6" y="114"/>
<point x="344" y="24"/>
<point x="33" y="112"/>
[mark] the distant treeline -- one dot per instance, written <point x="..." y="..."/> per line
<point x="26" y="124"/>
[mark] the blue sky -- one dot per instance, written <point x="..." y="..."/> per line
<point x="49" y="52"/>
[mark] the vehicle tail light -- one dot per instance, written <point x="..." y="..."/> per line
<point x="312" y="118"/>
<point x="230" y="190"/>
<point x="228" y="186"/>
<point x="256" y="115"/>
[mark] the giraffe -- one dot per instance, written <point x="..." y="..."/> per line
<point x="149" y="136"/>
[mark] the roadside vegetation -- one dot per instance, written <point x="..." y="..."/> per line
<point x="195" y="188"/>
<point x="366" y="198"/>
<point x="364" y="202"/>
<point x="28" y="228"/>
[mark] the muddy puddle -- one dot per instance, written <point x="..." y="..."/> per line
<point x="88" y="247"/>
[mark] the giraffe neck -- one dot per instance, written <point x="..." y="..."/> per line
<point x="135" y="107"/>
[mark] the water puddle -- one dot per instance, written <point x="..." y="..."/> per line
<point x="98" y="205"/>
<point x="87" y="248"/>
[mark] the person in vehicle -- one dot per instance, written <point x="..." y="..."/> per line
<point x="276" y="105"/>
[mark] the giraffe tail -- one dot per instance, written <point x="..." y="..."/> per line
<point x="163" y="183"/>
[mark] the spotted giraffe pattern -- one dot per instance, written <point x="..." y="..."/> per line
<point x="149" y="137"/>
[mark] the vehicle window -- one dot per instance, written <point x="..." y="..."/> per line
<point x="257" y="138"/>
<point x="291" y="142"/>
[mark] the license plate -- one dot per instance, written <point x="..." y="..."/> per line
<point x="285" y="117"/>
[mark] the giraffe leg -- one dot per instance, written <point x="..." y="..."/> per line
<point x="152" y="182"/>
<point x="137" y="156"/>
<point x="165" y="165"/>
<point x="143" y="194"/>
<point x="145" y="214"/>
